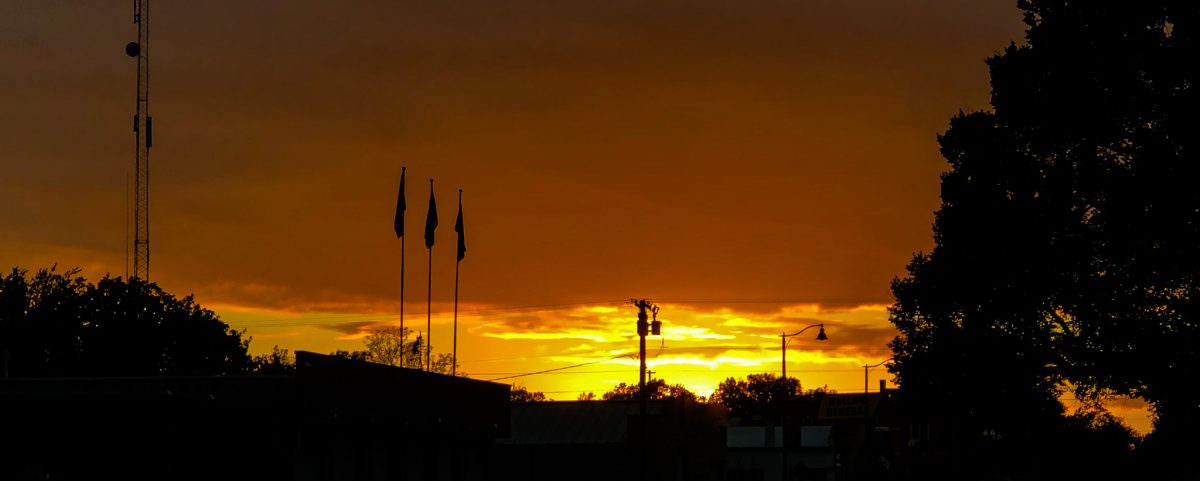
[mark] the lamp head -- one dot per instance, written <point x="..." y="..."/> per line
<point x="821" y="334"/>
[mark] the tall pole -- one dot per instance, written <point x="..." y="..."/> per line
<point x="783" y="355"/>
<point x="143" y="139"/>
<point x="454" y="351"/>
<point x="429" y="307"/>
<point x="644" y="328"/>
<point x="403" y="335"/>
<point x="429" y="284"/>
<point x="782" y="407"/>
<point x="866" y="409"/>
<point x="642" y="364"/>
<point x="457" y="261"/>
<point x="128" y="199"/>
<point x="401" y="206"/>
<point x="867" y="401"/>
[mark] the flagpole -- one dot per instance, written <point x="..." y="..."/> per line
<point x="403" y="335"/>
<point x="429" y="294"/>
<point x="457" y="261"/>
<point x="429" y="313"/>
<point x="454" y="354"/>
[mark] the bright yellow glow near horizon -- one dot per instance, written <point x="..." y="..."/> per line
<point x="591" y="348"/>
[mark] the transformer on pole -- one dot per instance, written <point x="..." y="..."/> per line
<point x="644" y="328"/>
<point x="143" y="134"/>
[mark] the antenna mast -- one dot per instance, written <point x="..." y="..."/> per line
<point x="143" y="133"/>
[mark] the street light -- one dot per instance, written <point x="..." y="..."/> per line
<point x="867" y="400"/>
<point x="783" y="344"/>
<point x="867" y="368"/>
<point x="783" y="340"/>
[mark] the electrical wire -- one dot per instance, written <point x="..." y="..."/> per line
<point x="561" y="368"/>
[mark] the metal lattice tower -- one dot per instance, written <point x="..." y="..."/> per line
<point x="143" y="132"/>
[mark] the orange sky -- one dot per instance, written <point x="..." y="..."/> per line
<point x="700" y="153"/>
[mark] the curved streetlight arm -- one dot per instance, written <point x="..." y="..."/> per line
<point x="880" y="363"/>
<point x="867" y="370"/>
<point x="783" y="340"/>
<point x="797" y="333"/>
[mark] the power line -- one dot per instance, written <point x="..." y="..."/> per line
<point x="561" y="368"/>
<point x="562" y="354"/>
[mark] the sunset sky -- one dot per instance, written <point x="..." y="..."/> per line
<point x="753" y="167"/>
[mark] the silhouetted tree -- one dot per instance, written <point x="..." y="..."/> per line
<point x="352" y="355"/>
<point x="442" y="362"/>
<point x="757" y="394"/>
<point x="586" y="396"/>
<point x="278" y="363"/>
<point x="385" y="346"/>
<point x="655" y="389"/>
<point x="57" y="324"/>
<point x="520" y="394"/>
<point x="1064" y="248"/>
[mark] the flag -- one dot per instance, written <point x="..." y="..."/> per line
<point x="430" y="219"/>
<point x="458" y="227"/>
<point x="400" y="207"/>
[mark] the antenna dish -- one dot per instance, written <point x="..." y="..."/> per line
<point x="132" y="49"/>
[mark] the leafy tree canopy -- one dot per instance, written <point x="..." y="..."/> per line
<point x="520" y="394"/>
<point x="762" y="394"/>
<point x="57" y="324"/>
<point x="756" y="393"/>
<point x="387" y="345"/>
<point x="655" y="389"/>
<point x="1064" y="248"/>
<point x="278" y="363"/>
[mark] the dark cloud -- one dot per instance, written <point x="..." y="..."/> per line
<point x="708" y="351"/>
<point x="546" y="322"/>
<point x="741" y="149"/>
<point x="350" y="327"/>
<point x="857" y="340"/>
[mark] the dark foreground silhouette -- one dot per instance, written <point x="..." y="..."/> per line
<point x="1066" y="250"/>
<point x="333" y="419"/>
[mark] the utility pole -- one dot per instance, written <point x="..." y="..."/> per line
<point x="143" y="133"/>
<point x="644" y="328"/>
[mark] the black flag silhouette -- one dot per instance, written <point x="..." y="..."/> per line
<point x="458" y="227"/>
<point x="431" y="220"/>
<point x="401" y="206"/>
